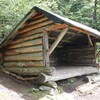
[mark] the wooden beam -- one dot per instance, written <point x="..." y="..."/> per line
<point x="56" y="27"/>
<point x="35" y="26"/>
<point x="66" y="26"/>
<point x="90" y="41"/>
<point x="24" y="64"/>
<point x="18" y="76"/>
<point x="98" y="54"/>
<point x="32" y="32"/>
<point x="46" y="28"/>
<point x="45" y="49"/>
<point x="28" y="70"/>
<point x="32" y="49"/>
<point x="35" y="36"/>
<point x="37" y="21"/>
<point x="26" y="44"/>
<point x="25" y="57"/>
<point x="36" y="17"/>
<point x="56" y="42"/>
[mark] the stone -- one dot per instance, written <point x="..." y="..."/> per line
<point x="51" y="84"/>
<point x="50" y="90"/>
<point x="86" y="88"/>
<point x="94" y="78"/>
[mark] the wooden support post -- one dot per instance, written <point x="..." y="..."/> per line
<point x="56" y="42"/>
<point x="98" y="54"/>
<point x="90" y="41"/>
<point x="45" y="49"/>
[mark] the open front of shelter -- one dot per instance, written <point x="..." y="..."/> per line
<point x="46" y="44"/>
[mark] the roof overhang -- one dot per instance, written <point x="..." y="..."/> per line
<point x="56" y="18"/>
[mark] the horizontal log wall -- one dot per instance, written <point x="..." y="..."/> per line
<point x="73" y="57"/>
<point x="1" y="58"/>
<point x="25" y="55"/>
<point x="29" y="71"/>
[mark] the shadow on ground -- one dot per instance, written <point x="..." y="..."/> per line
<point x="17" y="86"/>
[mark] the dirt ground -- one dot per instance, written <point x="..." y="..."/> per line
<point x="91" y="93"/>
<point x="13" y="89"/>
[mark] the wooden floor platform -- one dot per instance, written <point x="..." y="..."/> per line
<point x="65" y="72"/>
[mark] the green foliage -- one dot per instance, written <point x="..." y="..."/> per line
<point x="12" y="11"/>
<point x="33" y="90"/>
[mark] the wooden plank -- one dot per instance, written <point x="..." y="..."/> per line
<point x="56" y="42"/>
<point x="36" y="17"/>
<point x="49" y="27"/>
<point x="32" y="49"/>
<point x="35" y="26"/>
<point x="81" y="49"/>
<point x="37" y="21"/>
<point x="45" y="49"/>
<point x="79" y="53"/>
<point x="90" y="40"/>
<point x="22" y="52"/>
<point x="70" y="27"/>
<point x="78" y="29"/>
<point x="98" y="54"/>
<point x="29" y="70"/>
<point x="35" y="36"/>
<point x="64" y="72"/>
<point x="19" y="77"/>
<point x="1" y="58"/>
<point x="82" y="62"/>
<point x="26" y="44"/>
<point x="35" y="31"/>
<point x="25" y="57"/>
<point x="56" y="27"/>
<point x="24" y="64"/>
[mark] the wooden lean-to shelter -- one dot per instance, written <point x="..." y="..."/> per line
<point x="46" y="45"/>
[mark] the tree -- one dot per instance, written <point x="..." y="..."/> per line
<point x="83" y="11"/>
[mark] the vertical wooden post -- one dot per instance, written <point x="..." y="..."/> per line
<point x="95" y="54"/>
<point x="90" y="41"/>
<point x="45" y="49"/>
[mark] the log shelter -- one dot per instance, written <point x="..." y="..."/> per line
<point x="47" y="45"/>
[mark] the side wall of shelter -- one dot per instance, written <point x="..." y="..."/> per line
<point x="83" y="55"/>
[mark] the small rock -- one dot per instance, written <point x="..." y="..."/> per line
<point x="51" y="84"/>
<point x="71" y="80"/>
<point x="45" y="88"/>
<point x="49" y="89"/>
<point x="86" y="88"/>
<point x="94" y="78"/>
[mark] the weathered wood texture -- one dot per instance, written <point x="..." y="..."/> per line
<point x="64" y="72"/>
<point x="33" y="49"/>
<point x="26" y="44"/>
<point x="27" y="54"/>
<point x="1" y="58"/>
<point x="24" y="64"/>
<point x="25" y="57"/>
<point x="28" y="71"/>
<point x="56" y="42"/>
<point x="45" y="49"/>
<point x="74" y="56"/>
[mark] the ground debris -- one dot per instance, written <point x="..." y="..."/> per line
<point x="94" y="78"/>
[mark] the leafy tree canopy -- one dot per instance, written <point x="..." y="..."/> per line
<point x="83" y="11"/>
